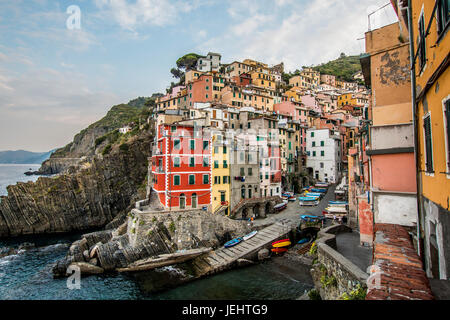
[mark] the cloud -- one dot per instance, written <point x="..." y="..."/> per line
<point x="55" y="103"/>
<point x="145" y="12"/>
<point x="310" y="32"/>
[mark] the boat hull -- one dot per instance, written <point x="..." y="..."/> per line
<point x="279" y="250"/>
<point x="281" y="244"/>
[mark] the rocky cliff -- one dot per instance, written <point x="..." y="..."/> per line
<point x="94" y="194"/>
<point x="148" y="238"/>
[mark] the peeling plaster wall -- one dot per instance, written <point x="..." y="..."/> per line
<point x="398" y="209"/>
<point x="438" y="218"/>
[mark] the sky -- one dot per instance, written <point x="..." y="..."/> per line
<point x="64" y="64"/>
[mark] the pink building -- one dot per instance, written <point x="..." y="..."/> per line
<point x="311" y="103"/>
<point x="296" y="110"/>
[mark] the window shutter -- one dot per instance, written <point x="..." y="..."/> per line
<point x="428" y="145"/>
<point x="447" y="116"/>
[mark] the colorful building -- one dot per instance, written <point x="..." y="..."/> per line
<point x="181" y="166"/>
<point x="432" y="78"/>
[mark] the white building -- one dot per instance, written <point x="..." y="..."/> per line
<point x="323" y="148"/>
<point x="209" y="63"/>
<point x="125" y="129"/>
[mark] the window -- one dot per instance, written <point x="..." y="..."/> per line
<point x="173" y="128"/>
<point x="313" y="143"/>
<point x="242" y="172"/>
<point x="226" y="179"/>
<point x="216" y="150"/>
<point x="176" y="144"/>
<point x="192" y="144"/>
<point x="225" y="164"/>
<point x="314" y="153"/>
<point x="216" y="164"/>
<point x="250" y="172"/>
<point x="422" y="42"/>
<point x="191" y="162"/>
<point x="428" y="144"/>
<point x="443" y="15"/>
<point x="176" y="180"/>
<point x="192" y="179"/>
<point x="205" y="179"/>
<point x="312" y="134"/>
<point x="322" y="143"/>
<point x="205" y="145"/>
<point x="205" y="161"/>
<point x="447" y="130"/>
<point x="176" y="162"/>
<point x="224" y="150"/>
<point x="321" y="164"/>
<point x="322" y="153"/>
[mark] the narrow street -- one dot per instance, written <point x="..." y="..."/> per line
<point x="294" y="211"/>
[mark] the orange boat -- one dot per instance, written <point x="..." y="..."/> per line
<point x="279" y="250"/>
<point x="281" y="243"/>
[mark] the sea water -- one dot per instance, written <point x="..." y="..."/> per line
<point x="26" y="274"/>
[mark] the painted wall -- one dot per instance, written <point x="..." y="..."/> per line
<point x="395" y="209"/>
<point x="394" y="172"/>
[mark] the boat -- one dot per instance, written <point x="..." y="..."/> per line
<point x="319" y="190"/>
<point x="280" y="206"/>
<point x="338" y="202"/>
<point x="279" y="250"/>
<point x="321" y="185"/>
<point x="310" y="218"/>
<point x="281" y="243"/>
<point x="308" y="201"/>
<point x="291" y="198"/>
<point x="233" y="242"/>
<point x="313" y="194"/>
<point x="250" y="235"/>
<point x="335" y="211"/>
<point x="304" y="240"/>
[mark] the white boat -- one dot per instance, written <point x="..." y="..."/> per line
<point x="336" y="209"/>
<point x="250" y="235"/>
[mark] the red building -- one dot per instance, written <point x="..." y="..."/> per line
<point x="181" y="167"/>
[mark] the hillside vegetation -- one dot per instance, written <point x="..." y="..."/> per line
<point x="343" y="67"/>
<point x="105" y="130"/>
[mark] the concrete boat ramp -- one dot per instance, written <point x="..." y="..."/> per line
<point x="225" y="258"/>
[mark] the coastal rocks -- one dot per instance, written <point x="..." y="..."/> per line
<point x="244" y="262"/>
<point x="263" y="254"/>
<point x="90" y="197"/>
<point x="150" y="240"/>
<point x="86" y="268"/>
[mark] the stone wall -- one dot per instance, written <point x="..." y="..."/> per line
<point x="334" y="276"/>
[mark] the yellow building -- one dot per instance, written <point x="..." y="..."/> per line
<point x="307" y="79"/>
<point x="220" y="174"/>
<point x="242" y="97"/>
<point x="294" y="94"/>
<point x="346" y="99"/>
<point x="433" y="125"/>
<point x="191" y="76"/>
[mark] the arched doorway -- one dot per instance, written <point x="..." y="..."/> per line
<point x="182" y="201"/>
<point x="245" y="213"/>
<point x="194" y="201"/>
<point x="267" y="208"/>
<point x="256" y="211"/>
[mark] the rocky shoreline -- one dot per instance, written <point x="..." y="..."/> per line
<point x="99" y="192"/>
<point x="149" y="241"/>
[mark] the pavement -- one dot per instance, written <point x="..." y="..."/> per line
<point x="347" y="243"/>
<point x="294" y="210"/>
<point x="440" y="289"/>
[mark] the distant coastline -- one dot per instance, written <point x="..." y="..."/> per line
<point x="23" y="157"/>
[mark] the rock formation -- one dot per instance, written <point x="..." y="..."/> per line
<point x="154" y="236"/>
<point x="90" y="196"/>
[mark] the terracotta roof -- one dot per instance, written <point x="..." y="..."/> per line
<point x="402" y="274"/>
